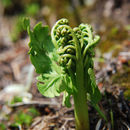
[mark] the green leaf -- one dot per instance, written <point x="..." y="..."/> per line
<point x="48" y="85"/>
<point x="68" y="90"/>
<point x="95" y="95"/>
<point x="66" y="99"/>
<point x="40" y="46"/>
<point x="53" y="83"/>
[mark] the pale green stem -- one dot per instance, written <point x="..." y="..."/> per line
<point x="80" y="100"/>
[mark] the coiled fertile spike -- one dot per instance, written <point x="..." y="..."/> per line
<point x="63" y="31"/>
<point x="78" y="34"/>
<point x="63" y="22"/>
<point x="76" y="29"/>
<point x="62" y="50"/>
<point x="70" y="51"/>
<point x="89" y="40"/>
<point x="56" y="33"/>
<point x="62" y="38"/>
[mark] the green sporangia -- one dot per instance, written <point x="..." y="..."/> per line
<point x="64" y="62"/>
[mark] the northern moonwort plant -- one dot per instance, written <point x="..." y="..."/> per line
<point x="64" y="61"/>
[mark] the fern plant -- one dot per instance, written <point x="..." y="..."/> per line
<point x="64" y="61"/>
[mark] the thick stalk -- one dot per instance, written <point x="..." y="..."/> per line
<point x="80" y="99"/>
<point x="80" y="102"/>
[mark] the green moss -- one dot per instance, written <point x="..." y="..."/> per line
<point x="32" y="9"/>
<point x="127" y="94"/>
<point x="17" y="29"/>
<point x="16" y="99"/>
<point x="112" y="37"/>
<point x="123" y="79"/>
<point x="2" y="126"/>
<point x="6" y="3"/>
<point x="24" y="117"/>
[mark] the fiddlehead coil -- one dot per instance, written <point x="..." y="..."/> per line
<point x="65" y="40"/>
<point x="89" y="41"/>
<point x="62" y="37"/>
